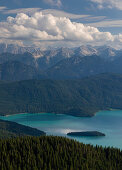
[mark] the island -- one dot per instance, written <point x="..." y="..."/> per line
<point x="86" y="133"/>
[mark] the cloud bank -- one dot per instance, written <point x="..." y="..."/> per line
<point x="108" y="4"/>
<point x="48" y="28"/>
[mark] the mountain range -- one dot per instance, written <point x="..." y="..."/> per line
<point x="21" y="63"/>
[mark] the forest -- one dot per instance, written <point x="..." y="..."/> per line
<point x="13" y="129"/>
<point x="82" y="97"/>
<point x="56" y="153"/>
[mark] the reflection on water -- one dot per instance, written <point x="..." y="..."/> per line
<point x="108" y="122"/>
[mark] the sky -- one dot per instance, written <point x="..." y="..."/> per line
<point x="61" y="23"/>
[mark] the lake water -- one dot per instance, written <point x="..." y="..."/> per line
<point x="108" y="122"/>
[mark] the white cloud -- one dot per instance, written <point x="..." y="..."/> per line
<point x="107" y="23"/>
<point x="57" y="3"/>
<point x="54" y="12"/>
<point x="21" y="10"/>
<point x="46" y="28"/>
<point x="2" y="8"/>
<point x="59" y="13"/>
<point x="108" y="4"/>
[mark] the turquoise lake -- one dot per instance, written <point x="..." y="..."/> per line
<point x="108" y="122"/>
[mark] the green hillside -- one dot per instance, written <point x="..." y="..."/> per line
<point x="56" y="153"/>
<point x="75" y="97"/>
<point x="12" y="129"/>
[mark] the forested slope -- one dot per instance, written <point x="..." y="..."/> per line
<point x="56" y="153"/>
<point x="75" y="97"/>
<point x="12" y="129"/>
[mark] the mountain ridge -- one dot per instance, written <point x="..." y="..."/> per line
<point x="74" y="97"/>
<point x="15" y="70"/>
<point x="62" y="63"/>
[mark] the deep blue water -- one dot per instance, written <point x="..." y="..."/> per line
<point x="108" y="122"/>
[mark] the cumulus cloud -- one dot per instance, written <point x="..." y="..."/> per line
<point x="57" y="3"/>
<point x="48" y="28"/>
<point x="108" y="4"/>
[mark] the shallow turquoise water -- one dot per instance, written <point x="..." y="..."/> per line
<point x="108" y="122"/>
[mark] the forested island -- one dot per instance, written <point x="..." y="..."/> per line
<point x="86" y="133"/>
<point x="53" y="153"/>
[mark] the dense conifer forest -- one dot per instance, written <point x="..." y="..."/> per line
<point x="56" y="153"/>
<point x="12" y="129"/>
<point x="75" y="97"/>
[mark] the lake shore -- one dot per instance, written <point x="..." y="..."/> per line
<point x="108" y="122"/>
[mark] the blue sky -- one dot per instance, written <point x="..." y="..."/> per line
<point x="105" y="15"/>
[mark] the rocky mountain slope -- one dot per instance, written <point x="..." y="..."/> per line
<point x="62" y="63"/>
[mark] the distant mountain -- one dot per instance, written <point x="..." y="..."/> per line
<point x="26" y="58"/>
<point x="39" y="59"/>
<point x="12" y="129"/>
<point x="83" y="50"/>
<point x="108" y="53"/>
<point x="14" y="70"/>
<point x="62" y="63"/>
<point x="16" y="49"/>
<point x="78" y="67"/>
<point x="51" y="57"/>
<point x="79" y="97"/>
